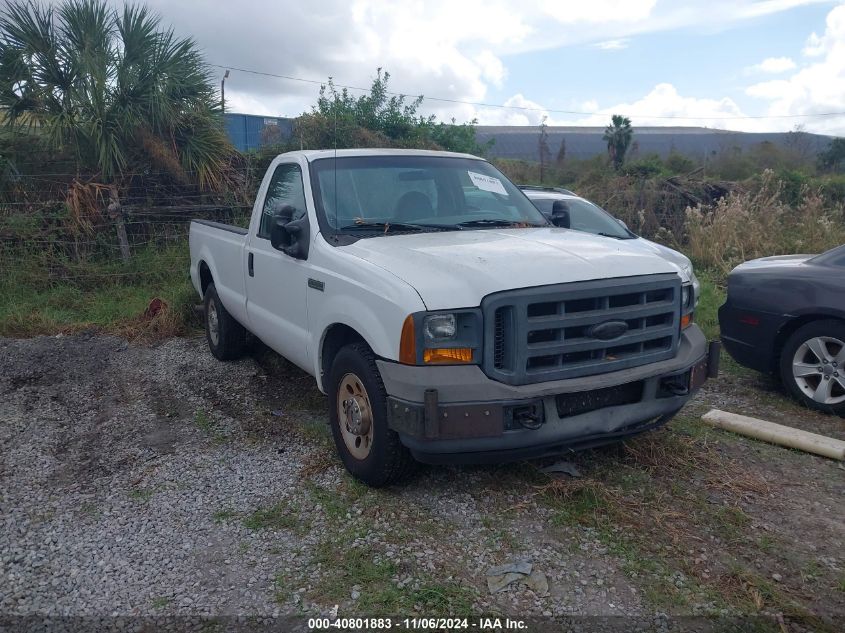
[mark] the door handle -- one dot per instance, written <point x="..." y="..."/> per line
<point x="250" y="266"/>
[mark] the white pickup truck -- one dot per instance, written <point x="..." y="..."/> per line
<point x="445" y="317"/>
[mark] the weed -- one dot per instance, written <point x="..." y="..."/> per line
<point x="203" y="422"/>
<point x="766" y="543"/>
<point x="281" y="516"/>
<point x="141" y="494"/>
<point x="160" y="602"/>
<point x="221" y="516"/>
<point x="731" y="520"/>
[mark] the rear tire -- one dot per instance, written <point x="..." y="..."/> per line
<point x="225" y="336"/>
<point x="812" y="366"/>
<point x="370" y="450"/>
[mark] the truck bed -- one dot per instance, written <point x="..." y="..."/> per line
<point x="221" y="248"/>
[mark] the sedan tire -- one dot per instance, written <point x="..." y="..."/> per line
<point x="812" y="365"/>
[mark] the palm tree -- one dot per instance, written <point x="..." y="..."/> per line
<point x="618" y="137"/>
<point x="114" y="88"/>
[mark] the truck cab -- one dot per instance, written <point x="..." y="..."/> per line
<point x="444" y="316"/>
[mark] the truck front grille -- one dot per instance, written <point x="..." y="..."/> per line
<point x="580" y="329"/>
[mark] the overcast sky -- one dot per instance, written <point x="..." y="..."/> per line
<point x="647" y="59"/>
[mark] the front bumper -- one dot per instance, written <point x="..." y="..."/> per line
<point x="458" y="414"/>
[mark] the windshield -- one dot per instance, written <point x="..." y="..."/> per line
<point x="412" y="193"/>
<point x="584" y="216"/>
<point x="834" y="257"/>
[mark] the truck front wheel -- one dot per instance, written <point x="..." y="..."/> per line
<point x="369" y="449"/>
<point x="226" y="337"/>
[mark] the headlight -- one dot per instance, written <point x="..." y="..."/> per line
<point x="439" y="327"/>
<point x="687" y="305"/>
<point x="446" y="338"/>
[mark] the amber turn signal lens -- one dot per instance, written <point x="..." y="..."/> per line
<point x="686" y="320"/>
<point x="408" y="342"/>
<point x="448" y="355"/>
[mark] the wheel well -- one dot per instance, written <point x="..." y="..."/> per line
<point x="790" y="327"/>
<point x="205" y="277"/>
<point x="336" y="337"/>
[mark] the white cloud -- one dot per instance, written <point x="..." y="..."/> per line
<point x="612" y="45"/>
<point x="813" y="47"/>
<point x="773" y="65"/>
<point x="519" y="111"/>
<point x="439" y="48"/>
<point x="492" y="68"/>
<point x="816" y="88"/>
<point x="600" y="11"/>
<point x="665" y="106"/>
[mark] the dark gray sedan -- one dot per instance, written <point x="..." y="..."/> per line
<point x="786" y="316"/>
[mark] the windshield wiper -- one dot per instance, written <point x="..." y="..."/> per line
<point x="494" y="222"/>
<point x="616" y="237"/>
<point x="398" y="226"/>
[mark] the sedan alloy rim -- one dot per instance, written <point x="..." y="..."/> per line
<point x="818" y="368"/>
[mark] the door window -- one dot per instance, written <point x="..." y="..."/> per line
<point x="285" y="189"/>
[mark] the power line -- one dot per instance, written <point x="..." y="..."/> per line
<point x="481" y="104"/>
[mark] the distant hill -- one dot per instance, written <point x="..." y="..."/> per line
<point x="521" y="142"/>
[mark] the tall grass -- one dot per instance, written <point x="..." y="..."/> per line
<point x="743" y="226"/>
<point x="40" y="294"/>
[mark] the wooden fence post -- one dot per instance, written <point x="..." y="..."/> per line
<point x="116" y="212"/>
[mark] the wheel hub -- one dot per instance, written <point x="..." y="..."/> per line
<point x="356" y="421"/>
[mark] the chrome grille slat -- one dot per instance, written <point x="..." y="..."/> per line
<point x="542" y="333"/>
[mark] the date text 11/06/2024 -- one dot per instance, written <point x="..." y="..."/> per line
<point x="417" y="624"/>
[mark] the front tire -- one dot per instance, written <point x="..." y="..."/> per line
<point x="812" y="366"/>
<point x="370" y="450"/>
<point x="225" y="336"/>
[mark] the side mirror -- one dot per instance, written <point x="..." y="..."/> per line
<point x="560" y="214"/>
<point x="290" y="236"/>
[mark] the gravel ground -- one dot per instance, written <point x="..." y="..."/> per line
<point x="140" y="480"/>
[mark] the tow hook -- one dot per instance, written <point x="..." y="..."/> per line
<point x="675" y="385"/>
<point x="529" y="416"/>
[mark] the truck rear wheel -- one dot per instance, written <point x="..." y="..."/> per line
<point x="369" y="449"/>
<point x="226" y="337"/>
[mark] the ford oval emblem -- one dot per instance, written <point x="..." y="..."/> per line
<point x="608" y="330"/>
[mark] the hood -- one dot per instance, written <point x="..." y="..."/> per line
<point x="457" y="269"/>
<point x="670" y="254"/>
<point x="777" y="261"/>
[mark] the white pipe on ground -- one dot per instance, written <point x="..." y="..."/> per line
<point x="777" y="433"/>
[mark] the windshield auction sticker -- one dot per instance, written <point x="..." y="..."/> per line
<point x="487" y="183"/>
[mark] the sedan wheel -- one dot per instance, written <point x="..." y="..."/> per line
<point x="812" y="365"/>
<point x="818" y="368"/>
